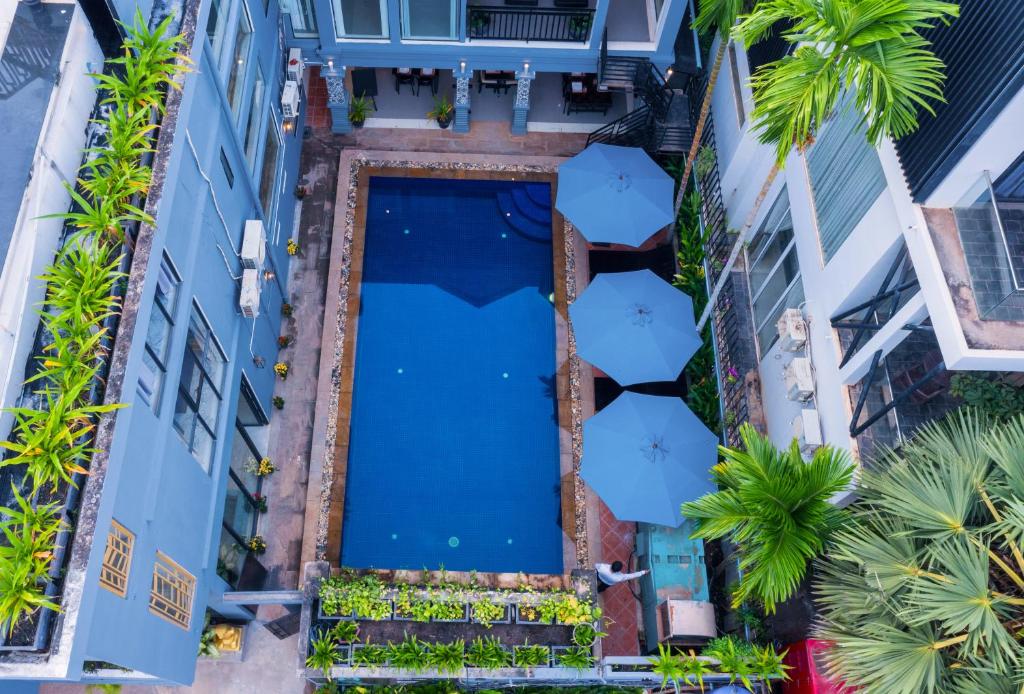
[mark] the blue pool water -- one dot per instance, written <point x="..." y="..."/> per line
<point x="453" y="452"/>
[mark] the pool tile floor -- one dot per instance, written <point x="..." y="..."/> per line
<point x="620" y="607"/>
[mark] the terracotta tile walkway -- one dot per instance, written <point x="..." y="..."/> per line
<point x="317" y="115"/>
<point x="620" y="607"/>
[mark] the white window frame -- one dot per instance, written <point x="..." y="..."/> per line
<point x="339" y="22"/>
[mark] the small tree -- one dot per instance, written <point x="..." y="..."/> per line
<point x="924" y="591"/>
<point x="775" y="507"/>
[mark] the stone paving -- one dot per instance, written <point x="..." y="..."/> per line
<point x="618" y="540"/>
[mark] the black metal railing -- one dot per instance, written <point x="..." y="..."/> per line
<point x="635" y="129"/>
<point x="511" y="24"/>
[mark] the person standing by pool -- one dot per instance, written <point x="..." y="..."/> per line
<point x="610" y="574"/>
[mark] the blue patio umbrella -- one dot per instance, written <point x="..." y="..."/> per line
<point x="615" y="194"/>
<point x="645" y="455"/>
<point x="634" y="326"/>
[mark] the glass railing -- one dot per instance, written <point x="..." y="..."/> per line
<point x="992" y="238"/>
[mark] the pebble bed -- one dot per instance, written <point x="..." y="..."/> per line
<point x="327" y="479"/>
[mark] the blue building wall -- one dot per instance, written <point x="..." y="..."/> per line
<point x="395" y="51"/>
<point x="154" y="487"/>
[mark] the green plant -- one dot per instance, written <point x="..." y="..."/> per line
<point x="347" y="594"/>
<point x="478" y="21"/>
<point x="579" y="24"/>
<point x="733" y="660"/>
<point x="775" y="507"/>
<point x="488" y="653"/>
<point x="370" y="655"/>
<point x="359" y="108"/>
<point x="442" y="110"/>
<point x="104" y="688"/>
<point x="257" y="544"/>
<point x="448" y="608"/>
<point x="766" y="663"/>
<point x="323" y="654"/>
<point x="576" y="657"/>
<point x="447" y="657"/>
<point x="695" y="669"/>
<point x="668" y="665"/>
<point x="260" y="501"/>
<point x="529" y="656"/>
<point x="586" y="634"/>
<point x="994" y="399"/>
<point x="287" y="309"/>
<point x="411" y="654"/>
<point x="923" y="592"/>
<point x="345" y="631"/>
<point x="52" y="443"/>
<point x="208" y="643"/>
<point x="707" y="160"/>
<point x="721" y="644"/>
<point x="278" y="402"/>
<point x="486" y="612"/>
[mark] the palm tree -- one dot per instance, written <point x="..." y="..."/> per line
<point x="871" y="47"/>
<point x="924" y="591"/>
<point x="775" y="508"/>
<point x="719" y="16"/>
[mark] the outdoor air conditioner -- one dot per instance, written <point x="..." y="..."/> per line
<point x="686" y="620"/>
<point x="792" y="330"/>
<point x="290" y="99"/>
<point x="294" y="69"/>
<point x="807" y="430"/>
<point x="254" y="243"/>
<point x="249" y="297"/>
<point x="799" y="383"/>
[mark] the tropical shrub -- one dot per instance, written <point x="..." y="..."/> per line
<point x="53" y="441"/>
<point x="486" y="612"/>
<point x="323" y="654"/>
<point x="447" y="657"/>
<point x="411" y="654"/>
<point x="775" y="508"/>
<point x="370" y="655"/>
<point x="529" y="655"/>
<point x="993" y="398"/>
<point x="345" y="631"/>
<point x="364" y="595"/>
<point x="576" y="657"/>
<point x="923" y="592"/>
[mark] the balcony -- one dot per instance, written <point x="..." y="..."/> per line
<point x="500" y="23"/>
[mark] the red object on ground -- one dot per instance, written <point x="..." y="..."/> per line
<point x="807" y="675"/>
<point x="618" y="540"/>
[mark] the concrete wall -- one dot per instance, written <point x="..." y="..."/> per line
<point x="154" y="487"/>
<point x="542" y="56"/>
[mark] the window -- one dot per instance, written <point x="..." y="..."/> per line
<point x="239" y="59"/>
<point x="773" y="271"/>
<point x="361" y="18"/>
<point x="737" y="88"/>
<point x="172" y="591"/>
<point x="429" y="19"/>
<point x="215" y="24"/>
<point x="117" y="559"/>
<point x="846" y="176"/>
<point x="303" y="17"/>
<point x="268" y="172"/>
<point x="252" y="124"/>
<point x="158" y="336"/>
<point x="202" y="373"/>
<point x="226" y="165"/>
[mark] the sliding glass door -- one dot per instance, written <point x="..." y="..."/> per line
<point x="361" y="19"/>
<point x="429" y="19"/>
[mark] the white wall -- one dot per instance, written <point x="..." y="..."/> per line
<point x="57" y="158"/>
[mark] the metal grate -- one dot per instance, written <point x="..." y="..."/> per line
<point x="172" y="591"/>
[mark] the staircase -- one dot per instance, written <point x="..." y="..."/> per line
<point x="527" y="211"/>
<point x="659" y="123"/>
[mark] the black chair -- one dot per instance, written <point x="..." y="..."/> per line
<point x="364" y="84"/>
<point x="405" y="78"/>
<point x="428" y="77"/>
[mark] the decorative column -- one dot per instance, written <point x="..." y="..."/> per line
<point x="337" y="98"/>
<point x="521" y="108"/>
<point x="462" y="77"/>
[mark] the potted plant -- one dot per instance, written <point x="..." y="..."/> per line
<point x="447" y="658"/>
<point x="411" y="654"/>
<point x="486" y="612"/>
<point x="323" y="654"/>
<point x="442" y="111"/>
<point x="579" y="25"/>
<point x="584" y="635"/>
<point x="529" y="614"/>
<point x="488" y="654"/>
<point x="478" y="21"/>
<point x="369" y="655"/>
<point x="450" y="608"/>
<point x="532" y="655"/>
<point x="345" y="631"/>
<point x="576" y="657"/>
<point x="358" y="109"/>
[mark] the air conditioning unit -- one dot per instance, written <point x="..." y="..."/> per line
<point x="249" y="297"/>
<point x="290" y="99"/>
<point x="807" y="430"/>
<point x="295" y="65"/>
<point x="792" y="330"/>
<point x="797" y="376"/>
<point x="686" y="620"/>
<point x="254" y="244"/>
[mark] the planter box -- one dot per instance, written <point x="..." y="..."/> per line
<point x="385" y="618"/>
<point x="460" y="620"/>
<point x="506" y="617"/>
<point x="344" y="652"/>
<point x="355" y="648"/>
<point x="547" y="663"/>
<point x="474" y="669"/>
<point x="520" y="619"/>
<point x="321" y="616"/>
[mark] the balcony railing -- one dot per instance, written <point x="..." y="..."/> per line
<point x="510" y="24"/>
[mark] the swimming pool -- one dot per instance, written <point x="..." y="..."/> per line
<point x="453" y="455"/>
